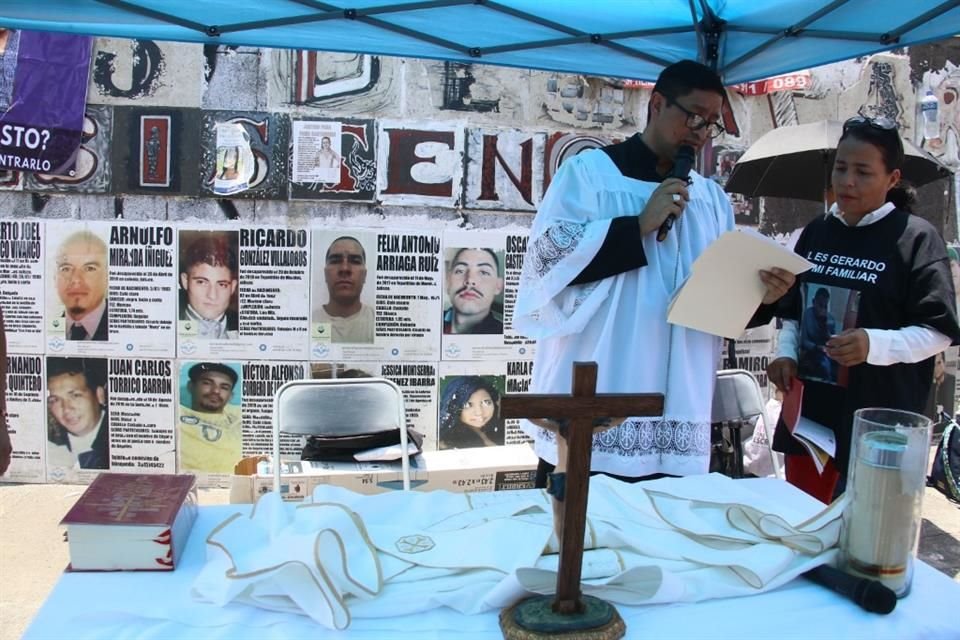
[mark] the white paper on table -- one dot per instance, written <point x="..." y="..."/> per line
<point x="724" y="288"/>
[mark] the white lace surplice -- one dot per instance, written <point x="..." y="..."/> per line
<point x="620" y="322"/>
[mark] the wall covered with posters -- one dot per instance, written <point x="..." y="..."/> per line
<point x="279" y="191"/>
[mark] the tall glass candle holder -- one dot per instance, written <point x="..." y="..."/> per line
<point x="887" y="476"/>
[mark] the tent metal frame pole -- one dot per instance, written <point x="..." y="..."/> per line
<point x="926" y="17"/>
<point x="789" y="32"/>
<point x="153" y="13"/>
<point x="600" y="39"/>
<point x="710" y="30"/>
<point x="827" y="34"/>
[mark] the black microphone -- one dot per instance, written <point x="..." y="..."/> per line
<point x="870" y="594"/>
<point x="682" y="163"/>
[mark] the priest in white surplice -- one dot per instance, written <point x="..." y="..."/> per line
<point x="596" y="283"/>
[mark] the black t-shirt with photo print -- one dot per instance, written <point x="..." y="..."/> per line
<point x="891" y="274"/>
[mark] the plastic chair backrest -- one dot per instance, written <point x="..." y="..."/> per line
<point x="736" y="396"/>
<point x="339" y="407"/>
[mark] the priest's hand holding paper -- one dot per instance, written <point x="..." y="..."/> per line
<point x="849" y="348"/>
<point x="778" y="282"/>
<point x="670" y="197"/>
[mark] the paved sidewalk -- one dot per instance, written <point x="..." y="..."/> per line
<point x="33" y="552"/>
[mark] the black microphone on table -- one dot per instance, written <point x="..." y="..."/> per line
<point x="682" y="164"/>
<point x="870" y="594"/>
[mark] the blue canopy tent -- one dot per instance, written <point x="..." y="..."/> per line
<point x="743" y="39"/>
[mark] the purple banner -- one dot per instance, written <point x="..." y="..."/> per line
<point x="43" y="92"/>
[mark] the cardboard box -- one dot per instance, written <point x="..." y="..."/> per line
<point x="459" y="470"/>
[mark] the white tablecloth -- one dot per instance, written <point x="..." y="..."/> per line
<point x="145" y="605"/>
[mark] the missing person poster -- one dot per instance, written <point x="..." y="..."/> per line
<point x="243" y="293"/>
<point x="417" y="382"/>
<point x="375" y="295"/>
<point x="518" y="377"/>
<point x="516" y="248"/>
<point x="480" y="280"/>
<point x="209" y="425"/>
<point x="108" y="414"/>
<point x="468" y="414"/>
<point x="235" y="164"/>
<point x="21" y="284"/>
<point x="261" y="380"/>
<point x="754" y="351"/>
<point x="26" y="418"/>
<point x="142" y="401"/>
<point x="110" y="288"/>
<point x="316" y="155"/>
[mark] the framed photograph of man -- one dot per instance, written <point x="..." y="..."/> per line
<point x="827" y="311"/>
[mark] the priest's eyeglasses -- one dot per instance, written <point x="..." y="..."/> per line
<point x="695" y="121"/>
<point x="882" y="123"/>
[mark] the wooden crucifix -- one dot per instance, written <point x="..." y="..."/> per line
<point x="579" y="415"/>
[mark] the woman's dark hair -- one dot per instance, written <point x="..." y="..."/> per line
<point x="903" y="196"/>
<point x="882" y="134"/>
<point x="456" y="394"/>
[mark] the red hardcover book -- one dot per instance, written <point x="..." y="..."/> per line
<point x="131" y="522"/>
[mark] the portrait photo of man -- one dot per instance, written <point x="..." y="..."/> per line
<point x="210" y="428"/>
<point x="344" y="315"/>
<point x="80" y="265"/>
<point x="78" y="430"/>
<point x="474" y="287"/>
<point x="208" y="285"/>
<point x="817" y="326"/>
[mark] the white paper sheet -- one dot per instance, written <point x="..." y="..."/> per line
<point x="724" y="288"/>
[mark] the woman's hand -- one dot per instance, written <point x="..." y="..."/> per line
<point x="849" y="348"/>
<point x="781" y="373"/>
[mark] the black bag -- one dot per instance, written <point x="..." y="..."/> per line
<point x="343" y="448"/>
<point x="945" y="474"/>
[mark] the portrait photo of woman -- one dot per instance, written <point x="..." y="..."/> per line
<point x="470" y="413"/>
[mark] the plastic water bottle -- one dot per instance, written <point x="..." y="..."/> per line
<point x="930" y="112"/>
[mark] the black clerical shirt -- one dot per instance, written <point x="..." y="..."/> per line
<point x="622" y="249"/>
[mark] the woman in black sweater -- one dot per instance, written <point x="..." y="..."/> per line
<point x="891" y="301"/>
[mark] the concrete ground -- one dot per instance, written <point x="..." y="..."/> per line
<point x="33" y="552"/>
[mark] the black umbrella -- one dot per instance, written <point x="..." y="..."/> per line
<point x="795" y="162"/>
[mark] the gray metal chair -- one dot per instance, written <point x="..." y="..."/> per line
<point x="737" y="403"/>
<point x="338" y="407"/>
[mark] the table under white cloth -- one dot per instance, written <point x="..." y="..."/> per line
<point x="147" y="605"/>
